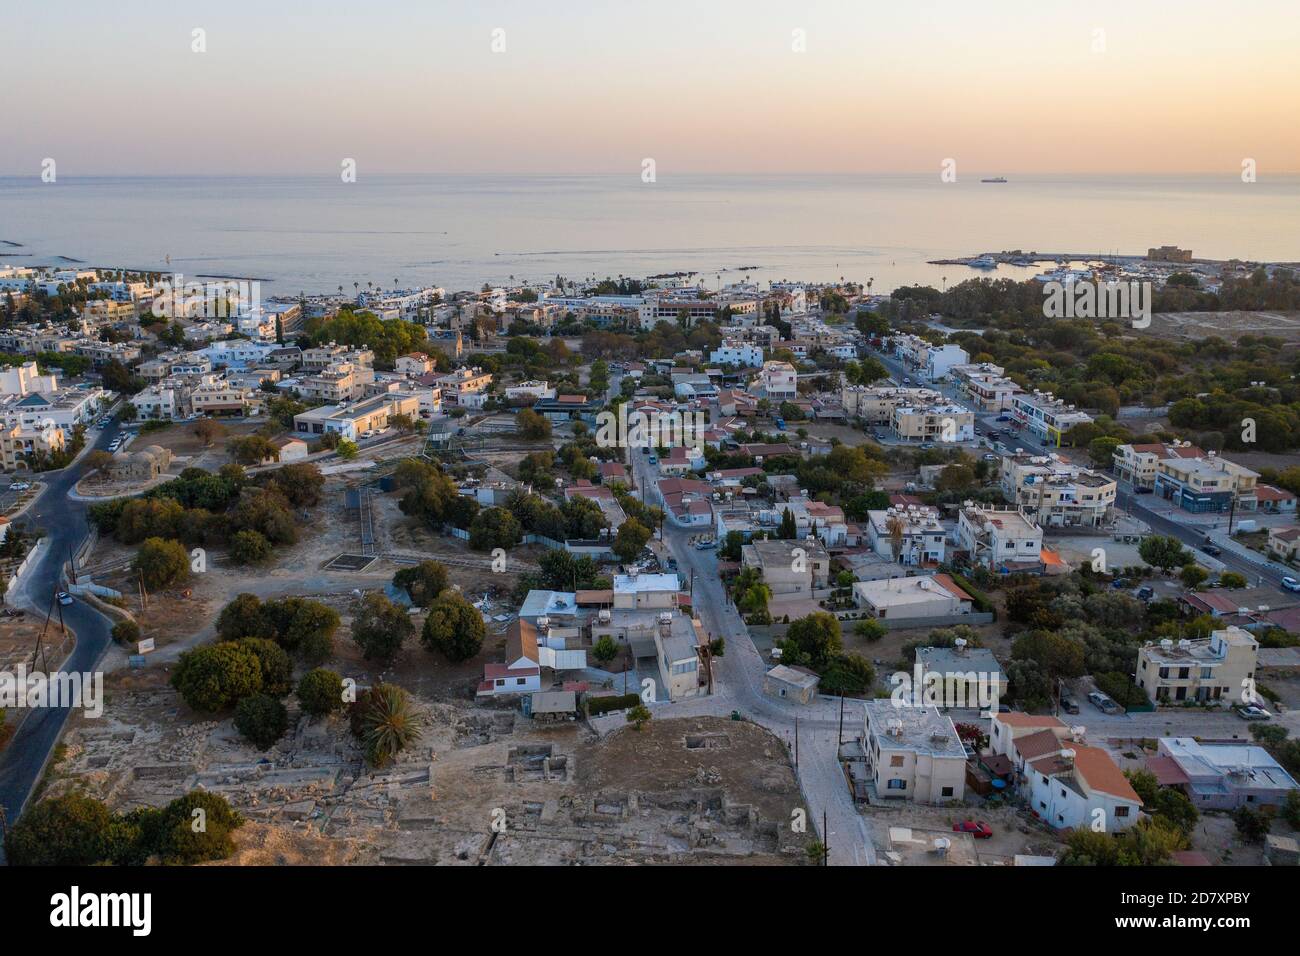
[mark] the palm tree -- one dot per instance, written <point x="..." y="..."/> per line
<point x="895" y="528"/>
<point x="387" y="724"/>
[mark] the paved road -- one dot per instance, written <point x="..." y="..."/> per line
<point x="64" y="522"/>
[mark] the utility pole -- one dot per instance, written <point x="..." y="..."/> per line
<point x="839" y="737"/>
<point x="796" y="742"/>
<point x="826" y="842"/>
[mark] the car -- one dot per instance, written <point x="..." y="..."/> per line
<point x="1145" y="593"/>
<point x="978" y="829"/>
<point x="1119" y="584"/>
<point x="645" y="450"/>
<point x="780" y="424"/>
<point x="705" y="545"/>
<point x="19" y="486"/>
<point x="990" y="457"/>
<point x="1004" y="418"/>
<point x="1290" y="583"/>
<point x="1069" y="704"/>
<point x="64" y="598"/>
<point x="1141" y="491"/>
<point x="654" y="459"/>
<point x="1253" y="712"/>
<point x="1103" y="703"/>
<point x="1212" y="550"/>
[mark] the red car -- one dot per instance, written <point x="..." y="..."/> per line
<point x="980" y="830"/>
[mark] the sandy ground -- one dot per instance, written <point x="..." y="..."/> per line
<point x="1193" y="326"/>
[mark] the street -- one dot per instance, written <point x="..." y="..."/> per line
<point x="64" y="522"/>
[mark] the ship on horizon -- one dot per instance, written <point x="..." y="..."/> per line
<point x="994" y="179"/>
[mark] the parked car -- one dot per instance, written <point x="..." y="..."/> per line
<point x="1145" y="593"/>
<point x="65" y="598"/>
<point x="705" y="545"/>
<point x="1212" y="550"/>
<point x="1004" y="418"/>
<point x="1290" y="583"/>
<point x="990" y="457"/>
<point x="1069" y="704"/>
<point x="1253" y="712"/>
<point x="1103" y="703"/>
<point x="654" y="459"/>
<point x="978" y="829"/>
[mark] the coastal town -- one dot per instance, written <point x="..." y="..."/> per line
<point x="656" y="570"/>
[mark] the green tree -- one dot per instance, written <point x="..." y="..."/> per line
<point x="494" y="528"/>
<point x="454" y="626"/>
<point x="162" y="563"/>
<point x="1193" y="576"/>
<point x="69" y="830"/>
<point x="215" y="677"/>
<point x="274" y="662"/>
<point x="870" y="629"/>
<point x="126" y="632"/>
<point x="531" y="425"/>
<point x="320" y="692"/>
<point x="249" y="547"/>
<point x="629" y="540"/>
<point x="423" y="583"/>
<point x="261" y="719"/>
<point x="605" y="650"/>
<point x="380" y="627"/>
<point x="346" y="449"/>
<point x="1163" y="552"/>
<point x="813" y="640"/>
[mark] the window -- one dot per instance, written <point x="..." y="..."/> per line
<point x="521" y="680"/>
<point x="1121" y="811"/>
<point x="896" y="784"/>
<point x="895" y="761"/>
<point x="946" y="792"/>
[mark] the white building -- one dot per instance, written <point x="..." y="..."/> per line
<point x="913" y="753"/>
<point x="999" y="538"/>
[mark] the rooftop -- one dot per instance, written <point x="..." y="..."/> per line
<point x="920" y="729"/>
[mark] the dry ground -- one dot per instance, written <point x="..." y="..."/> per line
<point x="1193" y="326"/>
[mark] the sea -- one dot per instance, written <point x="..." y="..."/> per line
<point x="314" y="234"/>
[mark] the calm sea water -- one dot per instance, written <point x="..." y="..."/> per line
<point x="315" y="234"/>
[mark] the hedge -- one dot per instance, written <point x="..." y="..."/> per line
<point x="603" y="705"/>
<point x="979" y="600"/>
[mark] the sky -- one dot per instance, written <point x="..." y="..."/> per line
<point x="569" y="87"/>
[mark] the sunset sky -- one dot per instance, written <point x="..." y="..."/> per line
<point x="594" y="87"/>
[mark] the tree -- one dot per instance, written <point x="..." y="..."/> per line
<point x="494" y="528"/>
<point x="252" y="450"/>
<point x="249" y="547"/>
<point x="1102" y="450"/>
<point x="630" y="539"/>
<point x="423" y="583"/>
<point x="788" y="530"/>
<point x="814" y="640"/>
<point x="99" y="460"/>
<point x="532" y="425"/>
<point x="870" y="629"/>
<point x="242" y="617"/>
<point x="1193" y="576"/>
<point x="380" y="627"/>
<point x="1163" y="552"/>
<point x="300" y="483"/>
<point x="848" y="674"/>
<point x="69" y="830"/>
<point x="215" y="677"/>
<point x="207" y="431"/>
<point x="320" y="692"/>
<point x="638" y="716"/>
<point x="126" y="632"/>
<point x="454" y="626"/>
<point x="274" y="662"/>
<point x="171" y="835"/>
<point x="261" y="719"/>
<point x="384" y="721"/>
<point x="604" y="650"/>
<point x="1058" y="656"/>
<point x="346" y="449"/>
<point x="1251" y="824"/>
<point x="1232" y="580"/>
<point x="162" y="563"/>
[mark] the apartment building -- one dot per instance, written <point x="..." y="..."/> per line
<point x="1137" y="464"/>
<point x="986" y="385"/>
<point x="1046" y="416"/>
<point x="926" y="597"/>
<point x="1221" y="776"/>
<point x="1219" y="667"/>
<point x="216" y="396"/>
<point x="789" y="567"/>
<point x="464" y="386"/>
<point x="323" y="356"/>
<point x="930" y="361"/>
<point x="913" y="753"/>
<point x="338" y="382"/>
<point x="24" y="379"/>
<point x="1209" y="484"/>
<point x="937" y="422"/>
<point x="19" y="442"/>
<point x="911" y="535"/>
<point x="1001" y="539"/>
<point x="1055" y="493"/>
<point x="777" y="381"/>
<point x="875" y="404"/>
<point x="737" y="354"/>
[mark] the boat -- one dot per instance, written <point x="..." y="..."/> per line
<point x="994" y="179"/>
<point x="983" y="262"/>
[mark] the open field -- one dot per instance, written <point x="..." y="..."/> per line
<point x="1191" y="326"/>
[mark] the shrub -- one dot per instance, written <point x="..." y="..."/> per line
<point x="276" y="668"/>
<point x="454" y="626"/>
<point x="249" y="547"/>
<point x="385" y="722"/>
<point x="70" y="830"/>
<point x="162" y="563"/>
<point x="126" y="632"/>
<point x="320" y="692"/>
<point x="380" y="627"/>
<point x="261" y="719"/>
<point x="423" y="583"/>
<point x="605" y="650"/>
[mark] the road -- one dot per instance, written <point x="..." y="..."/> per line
<point x="64" y="522"/>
